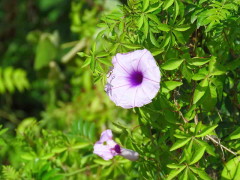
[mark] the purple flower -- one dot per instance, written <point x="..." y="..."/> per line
<point x="107" y="148"/>
<point x="134" y="79"/>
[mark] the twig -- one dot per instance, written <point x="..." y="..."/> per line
<point x="219" y="115"/>
<point x="67" y="57"/>
<point x="224" y="147"/>
<point x="184" y="119"/>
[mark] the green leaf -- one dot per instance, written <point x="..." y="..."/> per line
<point x="102" y="162"/>
<point x="92" y="132"/>
<point x="154" y="18"/>
<point x="28" y="156"/>
<point x="140" y="21"/>
<point x="154" y="8"/>
<point x="145" y="5"/>
<point x="102" y="54"/>
<point x="166" y="40"/>
<point x="59" y="149"/>
<point x="191" y="175"/>
<point x="201" y="74"/>
<point x="176" y="9"/>
<point x="187" y="153"/>
<point x="187" y="73"/>
<point x="202" y="174"/>
<point x="234" y="135"/>
<point x="210" y="149"/>
<point x="181" y="136"/>
<point x="105" y="61"/>
<point x="200" y="90"/>
<point x="198" y="127"/>
<point x="170" y="85"/>
<point x="183" y="27"/>
<point x="233" y="65"/>
<point x="82" y="54"/>
<point x="153" y="40"/>
<point x="231" y="169"/>
<point x="175" y="166"/>
<point x="206" y="131"/>
<point x="191" y="113"/>
<point x="2" y="86"/>
<point x="3" y="131"/>
<point x="184" y="176"/>
<point x="175" y="172"/>
<point x="212" y="64"/>
<point x="197" y="77"/>
<point x="132" y="46"/>
<point x="46" y="51"/>
<point x="7" y="77"/>
<point x="179" y="37"/>
<point x="80" y="145"/>
<point x="156" y="51"/>
<point x="180" y="143"/>
<point x="197" y="61"/>
<point x="172" y="64"/>
<point x="164" y="27"/>
<point x="94" y="47"/>
<point x="121" y="26"/>
<point x="86" y="62"/>
<point x="167" y="4"/>
<point x="218" y="72"/>
<point x="145" y="27"/>
<point x="210" y="98"/>
<point x="198" y="155"/>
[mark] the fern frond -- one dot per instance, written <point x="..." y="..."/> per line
<point x="9" y="173"/>
<point x="215" y="13"/>
<point x="13" y="79"/>
<point x="85" y="129"/>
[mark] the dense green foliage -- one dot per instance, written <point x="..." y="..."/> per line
<point x="54" y="59"/>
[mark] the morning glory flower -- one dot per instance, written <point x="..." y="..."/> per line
<point x="107" y="148"/>
<point x="134" y="79"/>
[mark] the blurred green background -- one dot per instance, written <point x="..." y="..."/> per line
<point x="51" y="111"/>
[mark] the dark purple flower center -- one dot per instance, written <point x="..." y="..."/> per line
<point x="117" y="149"/>
<point x="136" y="78"/>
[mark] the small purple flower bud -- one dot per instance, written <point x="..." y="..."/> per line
<point x="129" y="154"/>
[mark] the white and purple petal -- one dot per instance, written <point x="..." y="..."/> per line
<point x="134" y="80"/>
